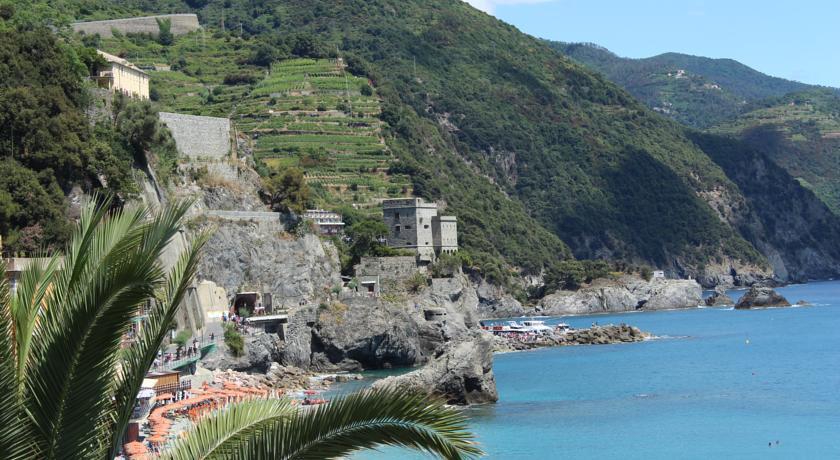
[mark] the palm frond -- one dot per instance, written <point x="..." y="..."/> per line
<point x="15" y="433"/>
<point x="108" y="279"/>
<point x="365" y="420"/>
<point x="138" y="358"/>
<point x="223" y="433"/>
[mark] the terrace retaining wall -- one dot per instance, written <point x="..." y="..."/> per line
<point x="198" y="136"/>
<point x="181" y="24"/>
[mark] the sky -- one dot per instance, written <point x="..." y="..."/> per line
<point x="797" y="40"/>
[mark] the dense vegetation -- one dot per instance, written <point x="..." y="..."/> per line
<point x="46" y="142"/>
<point x="706" y="92"/>
<point x="525" y="146"/>
<point x="801" y="133"/>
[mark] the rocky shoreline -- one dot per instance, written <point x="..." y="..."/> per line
<point x="595" y="335"/>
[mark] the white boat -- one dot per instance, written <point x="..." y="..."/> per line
<point x="535" y="326"/>
<point x="562" y="328"/>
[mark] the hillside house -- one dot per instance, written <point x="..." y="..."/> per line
<point x="123" y="77"/>
<point x="414" y="224"/>
<point x="326" y="222"/>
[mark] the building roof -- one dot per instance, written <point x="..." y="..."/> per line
<point x="118" y="60"/>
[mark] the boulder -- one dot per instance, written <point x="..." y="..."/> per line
<point x="719" y="298"/>
<point x="261" y="350"/>
<point x="761" y="296"/>
<point x="463" y="374"/>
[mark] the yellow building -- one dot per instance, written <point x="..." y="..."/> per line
<point x="123" y="77"/>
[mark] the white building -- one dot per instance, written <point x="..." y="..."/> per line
<point x="327" y="222"/>
<point x="121" y="76"/>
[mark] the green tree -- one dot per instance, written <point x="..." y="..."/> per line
<point x="67" y="390"/>
<point x="568" y="274"/>
<point x="165" y="36"/>
<point x="287" y="191"/>
<point x="181" y="338"/>
<point x="234" y="340"/>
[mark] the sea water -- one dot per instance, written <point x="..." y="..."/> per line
<point x="721" y="383"/>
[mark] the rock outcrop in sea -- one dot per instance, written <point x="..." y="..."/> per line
<point x="719" y="298"/>
<point x="595" y="335"/>
<point x="463" y="374"/>
<point x="761" y="296"/>
<point x="627" y="293"/>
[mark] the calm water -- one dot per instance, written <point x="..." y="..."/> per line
<point x="724" y="385"/>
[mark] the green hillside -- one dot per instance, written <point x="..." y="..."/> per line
<point x="526" y="146"/>
<point x="801" y="133"/>
<point x="696" y="91"/>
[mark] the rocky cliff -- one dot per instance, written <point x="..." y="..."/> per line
<point x="463" y="374"/>
<point x="628" y="293"/>
<point x="357" y="332"/>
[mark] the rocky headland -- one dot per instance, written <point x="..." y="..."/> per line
<point x="627" y="293"/>
<point x="463" y="374"/>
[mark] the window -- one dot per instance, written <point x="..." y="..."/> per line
<point x="396" y="215"/>
<point x="426" y="226"/>
<point x="397" y="229"/>
<point x="408" y="227"/>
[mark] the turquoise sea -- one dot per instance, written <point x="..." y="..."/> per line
<point x="721" y="384"/>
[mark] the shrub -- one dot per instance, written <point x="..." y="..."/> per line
<point x="646" y="273"/>
<point x="416" y="282"/>
<point x="234" y="340"/>
<point x="240" y="79"/>
<point x="182" y="338"/>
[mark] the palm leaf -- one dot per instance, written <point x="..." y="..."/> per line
<point x="111" y="273"/>
<point x="15" y="434"/>
<point x="139" y="358"/>
<point x="365" y="420"/>
<point x="221" y="434"/>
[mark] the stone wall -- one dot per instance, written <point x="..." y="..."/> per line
<point x="254" y="216"/>
<point x="181" y="24"/>
<point x="387" y="268"/>
<point x="199" y="137"/>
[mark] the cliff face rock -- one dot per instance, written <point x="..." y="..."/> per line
<point x="627" y="293"/>
<point x="295" y="270"/>
<point x="786" y="222"/>
<point x="759" y="296"/>
<point x="261" y="350"/>
<point x="494" y="302"/>
<point x="462" y="375"/>
<point x="357" y="332"/>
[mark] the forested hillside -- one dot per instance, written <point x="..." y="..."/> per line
<point x="801" y="133"/>
<point x="697" y="91"/>
<point x="523" y="144"/>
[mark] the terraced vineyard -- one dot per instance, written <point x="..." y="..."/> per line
<point x="308" y="113"/>
<point x="313" y="114"/>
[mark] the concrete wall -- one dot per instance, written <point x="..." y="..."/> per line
<point x="181" y="24"/>
<point x="199" y="137"/>
<point x="212" y="299"/>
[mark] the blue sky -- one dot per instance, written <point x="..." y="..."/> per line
<point x="798" y="40"/>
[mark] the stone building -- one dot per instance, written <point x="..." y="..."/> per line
<point x="121" y="76"/>
<point x="414" y="224"/>
<point x="326" y="222"/>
